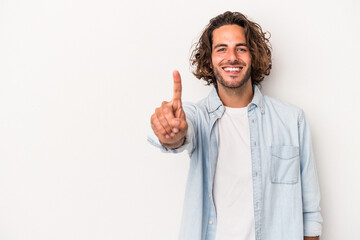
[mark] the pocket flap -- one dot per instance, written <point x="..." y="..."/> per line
<point x="284" y="152"/>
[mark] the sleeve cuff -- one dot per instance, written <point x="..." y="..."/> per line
<point x="153" y="139"/>
<point x="312" y="229"/>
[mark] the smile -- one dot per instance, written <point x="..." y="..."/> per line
<point x="232" y="69"/>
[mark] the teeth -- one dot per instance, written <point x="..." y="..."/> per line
<point x="232" y="69"/>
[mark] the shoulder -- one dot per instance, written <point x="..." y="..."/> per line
<point x="203" y="105"/>
<point x="283" y="109"/>
<point x="195" y="108"/>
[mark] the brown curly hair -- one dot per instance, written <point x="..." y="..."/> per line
<point x="257" y="42"/>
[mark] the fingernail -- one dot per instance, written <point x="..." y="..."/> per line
<point x="176" y="123"/>
<point x="172" y="134"/>
<point x="167" y="136"/>
<point x="175" y="130"/>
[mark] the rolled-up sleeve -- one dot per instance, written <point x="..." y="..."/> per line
<point x="309" y="182"/>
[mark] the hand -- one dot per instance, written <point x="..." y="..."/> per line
<point x="169" y="122"/>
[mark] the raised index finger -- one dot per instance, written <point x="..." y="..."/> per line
<point x="177" y="85"/>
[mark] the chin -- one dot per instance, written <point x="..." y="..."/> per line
<point x="233" y="84"/>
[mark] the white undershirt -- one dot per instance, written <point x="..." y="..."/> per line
<point x="233" y="188"/>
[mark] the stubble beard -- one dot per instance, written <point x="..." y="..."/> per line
<point x="239" y="84"/>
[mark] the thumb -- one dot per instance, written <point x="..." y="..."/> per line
<point x="179" y="123"/>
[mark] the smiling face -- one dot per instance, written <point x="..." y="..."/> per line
<point x="231" y="58"/>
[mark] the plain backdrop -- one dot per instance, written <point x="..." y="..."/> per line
<point x="79" y="80"/>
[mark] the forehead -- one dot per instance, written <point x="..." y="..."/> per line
<point x="228" y="34"/>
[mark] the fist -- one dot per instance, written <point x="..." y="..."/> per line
<point x="169" y="121"/>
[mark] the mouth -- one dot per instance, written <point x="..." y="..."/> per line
<point x="233" y="70"/>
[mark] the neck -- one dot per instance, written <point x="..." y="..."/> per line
<point x="236" y="97"/>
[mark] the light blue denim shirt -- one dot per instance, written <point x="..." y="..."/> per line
<point x="285" y="183"/>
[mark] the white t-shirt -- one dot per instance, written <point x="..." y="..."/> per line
<point x="233" y="187"/>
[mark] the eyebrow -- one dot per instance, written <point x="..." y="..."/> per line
<point x="225" y="45"/>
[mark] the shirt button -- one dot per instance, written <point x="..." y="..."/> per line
<point x="252" y="121"/>
<point x="257" y="204"/>
<point x="221" y="107"/>
<point x="255" y="144"/>
<point x="212" y="115"/>
<point x="209" y="195"/>
<point x="256" y="173"/>
<point x="210" y="222"/>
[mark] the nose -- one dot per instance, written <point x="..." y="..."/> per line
<point x="232" y="55"/>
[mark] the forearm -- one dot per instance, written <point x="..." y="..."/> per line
<point x="311" y="238"/>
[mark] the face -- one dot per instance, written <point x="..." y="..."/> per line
<point x="231" y="58"/>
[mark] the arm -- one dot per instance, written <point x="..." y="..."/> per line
<point x="311" y="238"/>
<point x="309" y="183"/>
<point x="168" y="122"/>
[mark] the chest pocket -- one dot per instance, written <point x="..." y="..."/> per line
<point x="285" y="164"/>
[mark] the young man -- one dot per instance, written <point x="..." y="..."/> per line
<point x="252" y="171"/>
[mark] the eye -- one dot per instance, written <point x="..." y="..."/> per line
<point x="242" y="49"/>
<point x="221" y="49"/>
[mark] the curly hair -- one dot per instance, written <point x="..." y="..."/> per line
<point x="258" y="44"/>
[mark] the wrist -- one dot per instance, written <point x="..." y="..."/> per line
<point x="311" y="238"/>
<point x="174" y="145"/>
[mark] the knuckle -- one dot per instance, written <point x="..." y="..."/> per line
<point x="152" y="118"/>
<point x="155" y="121"/>
<point x="156" y="131"/>
<point x="160" y="114"/>
<point x="157" y="110"/>
<point x="166" y="110"/>
<point x="161" y="118"/>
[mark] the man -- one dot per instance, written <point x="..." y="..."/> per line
<point x="252" y="172"/>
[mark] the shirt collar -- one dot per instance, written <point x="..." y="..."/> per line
<point x="214" y="102"/>
<point x="258" y="99"/>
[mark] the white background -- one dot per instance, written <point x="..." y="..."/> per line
<point x="79" y="80"/>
